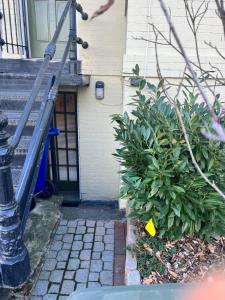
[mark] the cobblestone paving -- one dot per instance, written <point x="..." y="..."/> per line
<point x="81" y="255"/>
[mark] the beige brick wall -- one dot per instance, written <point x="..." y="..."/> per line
<point x="99" y="178"/>
<point x="103" y="60"/>
<point x="106" y="36"/>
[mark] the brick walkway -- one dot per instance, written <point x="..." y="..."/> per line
<point x="83" y="254"/>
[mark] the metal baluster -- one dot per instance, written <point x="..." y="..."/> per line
<point x="25" y="43"/>
<point x="14" y="258"/>
<point x="10" y="26"/>
<point x="21" y="27"/>
<point x="16" y="27"/>
<point x="5" y="28"/>
<point x="2" y="42"/>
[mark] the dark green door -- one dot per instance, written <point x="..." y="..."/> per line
<point x="66" y="144"/>
<point x="43" y="17"/>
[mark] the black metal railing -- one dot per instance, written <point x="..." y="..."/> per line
<point x="14" y="28"/>
<point x="14" y="209"/>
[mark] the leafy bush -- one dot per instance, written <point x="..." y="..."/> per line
<point x="158" y="176"/>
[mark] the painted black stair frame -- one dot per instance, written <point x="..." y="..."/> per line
<point x="14" y="208"/>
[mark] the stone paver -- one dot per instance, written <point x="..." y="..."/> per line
<point x="80" y="256"/>
<point x="56" y="276"/>
<point x="68" y="286"/>
<point x="82" y="275"/>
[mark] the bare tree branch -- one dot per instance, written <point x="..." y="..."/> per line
<point x="216" y="126"/>
<point x="221" y="12"/>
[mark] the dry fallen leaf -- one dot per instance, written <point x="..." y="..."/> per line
<point x="173" y="274"/>
<point x="148" y="248"/>
<point x="212" y="248"/>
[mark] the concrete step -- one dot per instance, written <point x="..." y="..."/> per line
<point x="32" y="66"/>
<point x="18" y="160"/>
<point x="18" y="105"/>
<point x="20" y="83"/>
<point x="14" y="118"/>
<point x="23" y="146"/>
<point x="28" y="69"/>
<point x="28" y="130"/>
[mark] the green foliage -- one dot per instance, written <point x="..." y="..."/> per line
<point x="147" y="260"/>
<point x="158" y="175"/>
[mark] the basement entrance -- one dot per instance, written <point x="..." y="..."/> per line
<point x="66" y="144"/>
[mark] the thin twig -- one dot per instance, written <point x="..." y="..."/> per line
<point x="216" y="126"/>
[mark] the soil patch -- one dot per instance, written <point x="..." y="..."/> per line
<point x="180" y="261"/>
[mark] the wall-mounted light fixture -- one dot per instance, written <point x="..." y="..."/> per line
<point x="99" y="90"/>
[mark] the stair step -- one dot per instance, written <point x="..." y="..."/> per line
<point x="18" y="160"/>
<point x="14" y="117"/>
<point x="22" y="95"/>
<point x="32" y="66"/>
<point x="23" y="145"/>
<point x="17" y="105"/>
<point x="28" y="130"/>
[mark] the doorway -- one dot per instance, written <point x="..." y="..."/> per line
<point x="43" y="16"/>
<point x="66" y="143"/>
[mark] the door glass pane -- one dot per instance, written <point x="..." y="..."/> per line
<point x="60" y="103"/>
<point x="62" y="140"/>
<point x="73" y="173"/>
<point x="62" y="157"/>
<point x="71" y="140"/>
<point x="63" y="174"/>
<point x="72" y="157"/>
<point x="60" y="5"/>
<point x="71" y="122"/>
<point x="70" y="107"/>
<point x="60" y="121"/>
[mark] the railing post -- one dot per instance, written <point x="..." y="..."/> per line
<point x="73" y="32"/>
<point x="14" y="258"/>
<point x="2" y="42"/>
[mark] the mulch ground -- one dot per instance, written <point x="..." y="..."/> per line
<point x="180" y="261"/>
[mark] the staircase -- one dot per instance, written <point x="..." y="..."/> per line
<point x="14" y="93"/>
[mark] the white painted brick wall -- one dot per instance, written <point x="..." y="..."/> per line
<point x="140" y="13"/>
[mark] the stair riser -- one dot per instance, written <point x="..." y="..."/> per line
<point x="19" y="160"/>
<point x="4" y="86"/>
<point x="28" y="130"/>
<point x="17" y="105"/>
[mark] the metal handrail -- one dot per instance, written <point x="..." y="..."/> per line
<point x="26" y="186"/>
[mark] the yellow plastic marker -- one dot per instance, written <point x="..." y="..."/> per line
<point x="150" y="227"/>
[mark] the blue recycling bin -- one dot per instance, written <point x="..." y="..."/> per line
<point x="41" y="188"/>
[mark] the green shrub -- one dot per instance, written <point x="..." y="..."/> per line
<point x="158" y="176"/>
